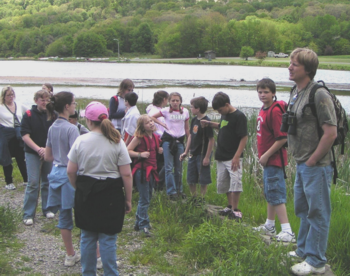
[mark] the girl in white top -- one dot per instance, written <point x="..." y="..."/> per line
<point x="99" y="169"/>
<point x="160" y="100"/>
<point x="176" y="129"/>
<point x="10" y="136"/>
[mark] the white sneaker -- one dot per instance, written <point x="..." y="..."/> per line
<point x="285" y="237"/>
<point x="99" y="263"/>
<point x="28" y="222"/>
<point x="305" y="269"/>
<point x="71" y="260"/>
<point x="293" y="254"/>
<point x="10" y="186"/>
<point x="50" y="215"/>
<point x="265" y="231"/>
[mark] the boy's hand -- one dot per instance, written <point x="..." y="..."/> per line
<point x="205" y="123"/>
<point x="127" y="207"/>
<point x="206" y="162"/>
<point x="183" y="156"/>
<point x="160" y="150"/>
<point x="235" y="164"/>
<point x="263" y="160"/>
<point x="145" y="154"/>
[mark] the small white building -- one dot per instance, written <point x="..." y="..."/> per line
<point x="270" y="54"/>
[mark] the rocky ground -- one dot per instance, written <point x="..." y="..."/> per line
<point x="42" y="251"/>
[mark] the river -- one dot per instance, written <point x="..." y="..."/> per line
<point x="99" y="80"/>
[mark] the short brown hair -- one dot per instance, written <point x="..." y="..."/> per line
<point x="308" y="58"/>
<point x="41" y="94"/>
<point x="267" y="83"/>
<point x="4" y="91"/>
<point x="201" y="103"/>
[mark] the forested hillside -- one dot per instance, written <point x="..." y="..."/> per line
<point x="171" y="28"/>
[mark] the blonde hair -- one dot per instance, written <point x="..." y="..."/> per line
<point x="140" y="131"/>
<point x="308" y="58"/>
<point x="4" y="91"/>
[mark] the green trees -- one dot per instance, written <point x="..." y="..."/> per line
<point x="246" y="52"/>
<point x="89" y="44"/>
<point x="62" y="47"/>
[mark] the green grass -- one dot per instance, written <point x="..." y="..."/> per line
<point x="187" y="241"/>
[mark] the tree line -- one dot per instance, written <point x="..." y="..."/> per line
<point x="171" y="28"/>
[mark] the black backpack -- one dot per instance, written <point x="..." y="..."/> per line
<point x="342" y="121"/>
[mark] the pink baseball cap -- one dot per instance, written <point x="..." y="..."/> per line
<point x="95" y="111"/>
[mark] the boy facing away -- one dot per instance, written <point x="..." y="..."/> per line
<point x="199" y="148"/>
<point x="129" y="122"/>
<point x="231" y="142"/>
<point x="273" y="157"/>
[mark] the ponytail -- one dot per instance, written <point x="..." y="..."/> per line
<point x="58" y="103"/>
<point x="108" y="130"/>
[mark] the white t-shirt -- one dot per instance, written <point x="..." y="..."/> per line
<point x="152" y="110"/>
<point x="98" y="157"/>
<point x="175" y="121"/>
<point x="129" y="122"/>
<point x="6" y="117"/>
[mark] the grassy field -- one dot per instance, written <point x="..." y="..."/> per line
<point x="186" y="241"/>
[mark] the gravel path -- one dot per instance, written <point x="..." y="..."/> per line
<point x="43" y="251"/>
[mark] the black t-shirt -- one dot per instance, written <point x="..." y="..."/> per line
<point x="233" y="127"/>
<point x="197" y="133"/>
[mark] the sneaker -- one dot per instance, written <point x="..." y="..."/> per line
<point x="25" y="183"/>
<point x="146" y="232"/>
<point x="305" y="269"/>
<point x="285" y="237"/>
<point x="99" y="263"/>
<point x="28" y="222"/>
<point x="226" y="211"/>
<point x="294" y="255"/>
<point x="236" y="215"/>
<point x="265" y="231"/>
<point x="173" y="197"/>
<point x="72" y="260"/>
<point x="50" y="215"/>
<point x="10" y="186"/>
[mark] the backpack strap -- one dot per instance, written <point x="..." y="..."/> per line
<point x="29" y="113"/>
<point x="116" y="101"/>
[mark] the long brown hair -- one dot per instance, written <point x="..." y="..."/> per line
<point x="108" y="129"/>
<point x="125" y="85"/>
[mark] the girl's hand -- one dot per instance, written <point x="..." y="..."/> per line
<point x="183" y="156"/>
<point x="145" y="154"/>
<point x="165" y="126"/>
<point x="160" y="150"/>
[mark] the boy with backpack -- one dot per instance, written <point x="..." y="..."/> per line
<point x="129" y="121"/>
<point x="273" y="157"/>
<point x="232" y="138"/>
<point x="199" y="147"/>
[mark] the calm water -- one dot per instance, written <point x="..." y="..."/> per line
<point x="186" y="79"/>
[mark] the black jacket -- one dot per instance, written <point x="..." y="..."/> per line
<point x="99" y="204"/>
<point x="35" y="124"/>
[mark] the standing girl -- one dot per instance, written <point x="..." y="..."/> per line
<point x="176" y="128"/>
<point x="144" y="146"/>
<point x="160" y="100"/>
<point x="117" y="107"/>
<point x="99" y="169"/>
<point x="61" y="137"/>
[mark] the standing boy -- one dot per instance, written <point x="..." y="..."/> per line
<point x="273" y="157"/>
<point x="232" y="139"/>
<point x="129" y="122"/>
<point x="200" y="145"/>
<point x="312" y="152"/>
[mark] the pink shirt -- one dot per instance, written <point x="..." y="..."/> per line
<point x="175" y="121"/>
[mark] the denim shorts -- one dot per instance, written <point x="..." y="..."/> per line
<point x="194" y="168"/>
<point x="65" y="220"/>
<point x="274" y="185"/>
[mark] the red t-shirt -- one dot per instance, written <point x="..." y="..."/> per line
<point x="269" y="133"/>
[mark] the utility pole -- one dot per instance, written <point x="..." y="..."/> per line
<point x="118" y="46"/>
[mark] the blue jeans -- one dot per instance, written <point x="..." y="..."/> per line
<point x="145" y="195"/>
<point x="312" y="203"/>
<point x="37" y="171"/>
<point x="108" y="251"/>
<point x="173" y="169"/>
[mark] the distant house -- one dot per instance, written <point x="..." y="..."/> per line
<point x="210" y="54"/>
<point x="270" y="54"/>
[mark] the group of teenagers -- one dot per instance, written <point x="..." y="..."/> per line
<point x="94" y="171"/>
